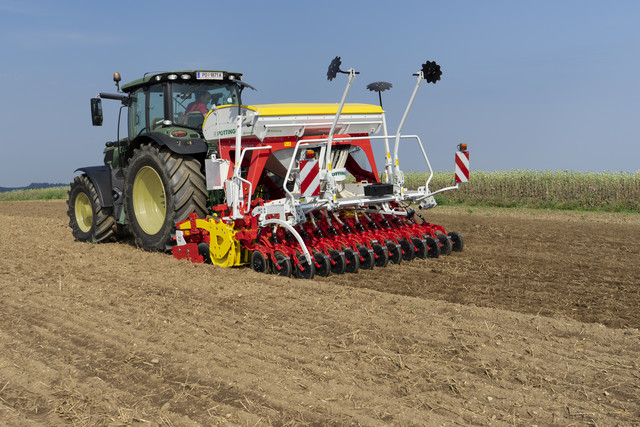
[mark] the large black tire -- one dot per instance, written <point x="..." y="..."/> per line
<point x="89" y="221"/>
<point x="161" y="189"/>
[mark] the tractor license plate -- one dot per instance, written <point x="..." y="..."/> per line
<point x="209" y="75"/>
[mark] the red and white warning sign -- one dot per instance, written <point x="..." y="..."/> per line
<point x="309" y="178"/>
<point x="462" y="166"/>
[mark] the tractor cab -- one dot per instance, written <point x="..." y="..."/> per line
<point x="172" y="103"/>
<point x="181" y="99"/>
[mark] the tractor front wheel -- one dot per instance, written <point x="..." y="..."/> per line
<point x="161" y="189"/>
<point x="89" y="221"/>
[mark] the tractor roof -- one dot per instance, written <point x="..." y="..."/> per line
<point x="182" y="76"/>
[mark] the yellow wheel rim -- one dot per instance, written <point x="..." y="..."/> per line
<point x="223" y="246"/>
<point x="149" y="200"/>
<point x="84" y="213"/>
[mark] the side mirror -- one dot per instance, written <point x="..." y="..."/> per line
<point x="96" y="111"/>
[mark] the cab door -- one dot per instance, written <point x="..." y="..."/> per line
<point x="137" y="113"/>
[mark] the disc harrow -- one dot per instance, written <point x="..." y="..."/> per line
<point x="283" y="204"/>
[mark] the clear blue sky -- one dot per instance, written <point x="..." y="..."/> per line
<point x="537" y="85"/>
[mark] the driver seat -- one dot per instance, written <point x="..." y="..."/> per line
<point x="194" y="119"/>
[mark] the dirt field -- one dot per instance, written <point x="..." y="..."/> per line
<point x="535" y="323"/>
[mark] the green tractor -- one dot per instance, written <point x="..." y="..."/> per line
<point x="153" y="177"/>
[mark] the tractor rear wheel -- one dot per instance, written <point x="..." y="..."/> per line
<point x="89" y="221"/>
<point x="161" y="189"/>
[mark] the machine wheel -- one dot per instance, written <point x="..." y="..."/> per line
<point x="433" y="247"/>
<point x="395" y="254"/>
<point x="421" y="247"/>
<point x="205" y="253"/>
<point x="309" y="270"/>
<point x="383" y="254"/>
<point x="458" y="243"/>
<point x="445" y="242"/>
<point x="283" y="265"/>
<point x="408" y="249"/>
<point x="323" y="266"/>
<point x="353" y="261"/>
<point x="369" y="259"/>
<point x="340" y="261"/>
<point x="161" y="189"/>
<point x="259" y="262"/>
<point x="89" y="221"/>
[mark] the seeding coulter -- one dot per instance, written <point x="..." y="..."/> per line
<point x="286" y="188"/>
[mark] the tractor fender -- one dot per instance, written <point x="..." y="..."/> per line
<point x="189" y="146"/>
<point x="100" y="177"/>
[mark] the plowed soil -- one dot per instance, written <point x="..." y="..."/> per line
<point x="535" y="323"/>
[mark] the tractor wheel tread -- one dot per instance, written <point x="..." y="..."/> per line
<point x="185" y="192"/>
<point x="103" y="225"/>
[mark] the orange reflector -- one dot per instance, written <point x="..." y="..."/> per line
<point x="462" y="147"/>
<point x="311" y="154"/>
<point x="179" y="133"/>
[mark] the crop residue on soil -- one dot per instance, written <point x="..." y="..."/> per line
<point x="535" y="323"/>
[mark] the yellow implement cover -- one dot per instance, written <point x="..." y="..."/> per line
<point x="313" y="109"/>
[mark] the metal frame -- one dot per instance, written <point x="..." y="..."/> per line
<point x="292" y="211"/>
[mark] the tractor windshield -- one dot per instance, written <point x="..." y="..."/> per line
<point x="192" y="101"/>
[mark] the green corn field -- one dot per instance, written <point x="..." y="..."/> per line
<point x="606" y="191"/>
<point x="51" y="193"/>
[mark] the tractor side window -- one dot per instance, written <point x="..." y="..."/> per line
<point x="137" y="117"/>
<point x="156" y="106"/>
